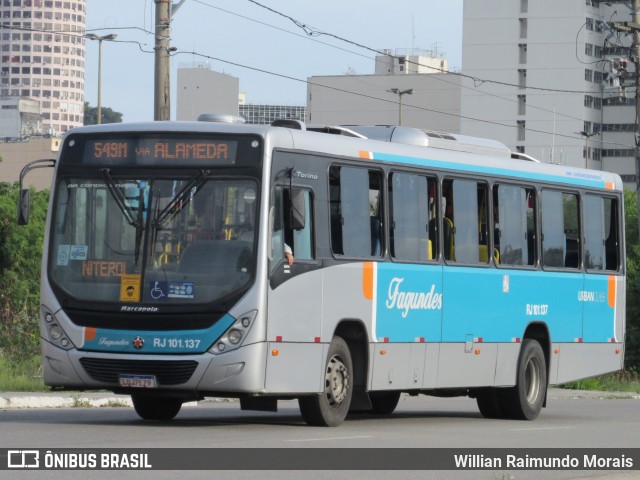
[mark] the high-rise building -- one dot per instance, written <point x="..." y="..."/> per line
<point x="42" y="43"/>
<point x="547" y="78"/>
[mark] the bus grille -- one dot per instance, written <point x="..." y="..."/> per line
<point x="167" y="372"/>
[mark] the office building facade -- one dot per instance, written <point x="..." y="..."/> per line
<point x="547" y="78"/>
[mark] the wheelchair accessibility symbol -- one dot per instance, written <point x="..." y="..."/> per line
<point x="158" y="290"/>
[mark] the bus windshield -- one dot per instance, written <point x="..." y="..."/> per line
<point x="154" y="241"/>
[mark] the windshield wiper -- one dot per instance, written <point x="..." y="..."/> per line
<point x="178" y="202"/>
<point x="117" y="195"/>
<point x="133" y="219"/>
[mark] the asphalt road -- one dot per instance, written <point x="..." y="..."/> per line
<point x="571" y="420"/>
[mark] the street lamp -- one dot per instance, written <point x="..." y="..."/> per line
<point x="100" y="38"/>
<point x="400" y="93"/>
<point x="586" y="136"/>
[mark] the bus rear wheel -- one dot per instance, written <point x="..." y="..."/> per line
<point x="524" y="401"/>
<point x="330" y="408"/>
<point x="490" y="402"/>
<point x="152" y="407"/>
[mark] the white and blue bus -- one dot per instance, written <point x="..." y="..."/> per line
<point x="423" y="263"/>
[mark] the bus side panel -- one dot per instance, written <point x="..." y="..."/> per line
<point x="461" y="366"/>
<point x="498" y="305"/>
<point x="398" y="366"/>
<point x="506" y="364"/>
<point x="581" y="360"/>
<point x="600" y="301"/>
<point x="347" y="290"/>
<point x="295" y="367"/>
<point x="295" y="308"/>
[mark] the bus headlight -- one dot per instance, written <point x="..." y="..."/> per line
<point x="232" y="338"/>
<point x="54" y="332"/>
<point x="235" y="336"/>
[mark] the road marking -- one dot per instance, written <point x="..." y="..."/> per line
<point x="543" y="428"/>
<point x="325" y="439"/>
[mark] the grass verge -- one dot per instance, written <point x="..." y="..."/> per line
<point x="23" y="375"/>
<point x="622" y="381"/>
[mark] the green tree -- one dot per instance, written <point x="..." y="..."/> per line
<point x="632" y="347"/>
<point x="108" y="115"/>
<point x="20" y="255"/>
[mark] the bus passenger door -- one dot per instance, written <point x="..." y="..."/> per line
<point x="294" y="294"/>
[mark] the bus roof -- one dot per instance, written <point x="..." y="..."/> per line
<point x="389" y="144"/>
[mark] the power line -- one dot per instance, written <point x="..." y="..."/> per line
<point x="311" y="31"/>
<point x="434" y="78"/>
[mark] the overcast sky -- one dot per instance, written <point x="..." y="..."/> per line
<point x="238" y="37"/>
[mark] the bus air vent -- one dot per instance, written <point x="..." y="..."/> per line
<point x="167" y="372"/>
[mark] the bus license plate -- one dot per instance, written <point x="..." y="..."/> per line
<point x="137" y="381"/>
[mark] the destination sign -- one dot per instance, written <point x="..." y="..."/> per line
<point x="159" y="151"/>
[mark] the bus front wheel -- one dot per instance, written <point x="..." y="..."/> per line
<point x="330" y="408"/>
<point x="152" y="407"/>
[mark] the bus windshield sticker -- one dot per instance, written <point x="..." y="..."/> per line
<point x="130" y="288"/>
<point x="63" y="255"/>
<point x="158" y="291"/>
<point x="78" y="252"/>
<point x="181" y="290"/>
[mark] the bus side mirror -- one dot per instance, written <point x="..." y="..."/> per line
<point x="23" y="207"/>
<point x="298" y="209"/>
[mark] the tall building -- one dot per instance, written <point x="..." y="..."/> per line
<point x="42" y="43"/>
<point x="547" y="78"/>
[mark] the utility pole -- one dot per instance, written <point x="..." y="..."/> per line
<point x="633" y="27"/>
<point x="162" y="71"/>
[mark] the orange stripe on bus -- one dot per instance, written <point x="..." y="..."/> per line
<point x="367" y="280"/>
<point x="365" y="154"/>
<point x="611" y="291"/>
<point x="608" y="185"/>
<point x="89" y="333"/>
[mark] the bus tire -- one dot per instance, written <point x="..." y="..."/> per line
<point x="330" y="408"/>
<point x="490" y="403"/>
<point x="524" y="401"/>
<point x="152" y="407"/>
<point x="384" y="403"/>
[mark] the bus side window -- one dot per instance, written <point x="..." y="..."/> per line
<point x="514" y="239"/>
<point x="411" y="233"/>
<point x="356" y="211"/>
<point x="560" y="229"/>
<point x="611" y="234"/>
<point x="600" y="233"/>
<point x="299" y="238"/>
<point x="466" y="214"/>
